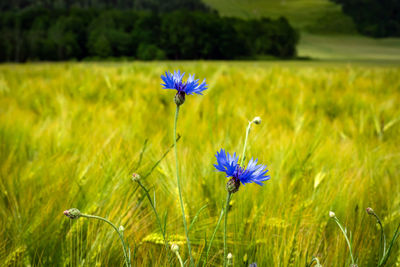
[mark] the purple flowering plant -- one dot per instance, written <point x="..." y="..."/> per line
<point x="175" y="82"/>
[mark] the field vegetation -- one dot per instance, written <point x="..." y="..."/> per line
<point x="72" y="134"/>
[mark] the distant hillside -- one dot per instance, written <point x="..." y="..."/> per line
<point x="314" y="16"/>
<point x="326" y="32"/>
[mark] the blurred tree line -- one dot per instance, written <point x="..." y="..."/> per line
<point x="377" y="18"/>
<point x="39" y="33"/>
<point x="152" y="5"/>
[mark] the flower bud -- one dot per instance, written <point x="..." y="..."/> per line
<point x="254" y="264"/>
<point x="257" y="120"/>
<point x="332" y="214"/>
<point x="179" y="98"/>
<point x="229" y="258"/>
<point x="73" y="213"/>
<point x="370" y="211"/>
<point x="175" y="248"/>
<point x="121" y="229"/>
<point x="232" y="185"/>
<point x="135" y="177"/>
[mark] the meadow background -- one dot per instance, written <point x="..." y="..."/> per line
<point x="72" y="134"/>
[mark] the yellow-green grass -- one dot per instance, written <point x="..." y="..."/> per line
<point x="72" y="134"/>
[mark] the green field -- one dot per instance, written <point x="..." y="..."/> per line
<point x="326" y="33"/>
<point x="349" y="48"/>
<point x="71" y="135"/>
<point x="306" y="15"/>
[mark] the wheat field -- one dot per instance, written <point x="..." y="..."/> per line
<point x="72" y="134"/>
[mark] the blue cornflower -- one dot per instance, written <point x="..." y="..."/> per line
<point x="252" y="174"/>
<point x="175" y="82"/>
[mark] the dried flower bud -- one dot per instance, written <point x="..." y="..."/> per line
<point x="257" y="120"/>
<point x="179" y="98"/>
<point x="332" y="214"/>
<point x="135" y="177"/>
<point x="175" y="248"/>
<point x="73" y="213"/>
<point x="233" y="185"/>
<point x="370" y="211"/>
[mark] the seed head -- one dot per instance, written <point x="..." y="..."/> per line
<point x="332" y="214"/>
<point x="73" y="213"/>
<point x="257" y="120"/>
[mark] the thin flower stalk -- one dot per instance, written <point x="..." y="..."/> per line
<point x="245" y="142"/>
<point x="180" y="190"/>
<point x="155" y="212"/>
<point x="253" y="173"/>
<point x="228" y="197"/>
<point x="214" y="233"/>
<point x="256" y="120"/>
<point x="382" y="244"/>
<point x="385" y="253"/>
<point x="75" y="214"/>
<point x="191" y="86"/>
<point x="175" y="249"/>
<point x="333" y="216"/>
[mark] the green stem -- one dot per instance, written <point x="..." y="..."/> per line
<point x="155" y="212"/>
<point x="245" y="143"/>
<point x="383" y="237"/>
<point x="228" y="197"/>
<point x="179" y="258"/>
<point x="347" y="239"/>
<point x="121" y="237"/>
<point x="213" y="235"/>
<point x="179" y="188"/>
<point x="384" y="259"/>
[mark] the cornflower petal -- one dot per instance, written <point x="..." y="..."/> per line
<point x="253" y="173"/>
